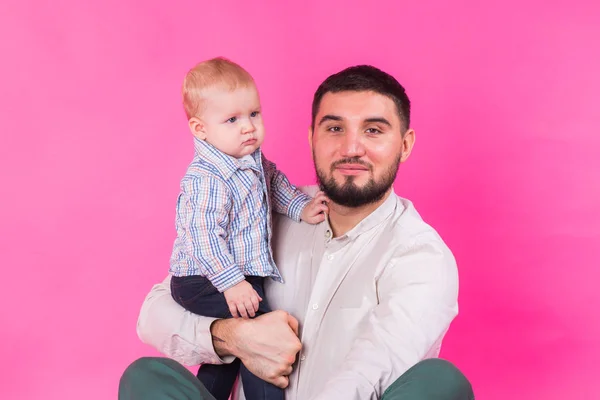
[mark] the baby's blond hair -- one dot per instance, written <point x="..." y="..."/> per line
<point x="217" y="72"/>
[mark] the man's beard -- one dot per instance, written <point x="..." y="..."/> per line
<point x="349" y="194"/>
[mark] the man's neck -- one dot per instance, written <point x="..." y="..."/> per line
<point x="342" y="219"/>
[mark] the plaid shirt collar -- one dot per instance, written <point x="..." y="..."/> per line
<point x="225" y="164"/>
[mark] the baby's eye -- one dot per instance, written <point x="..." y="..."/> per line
<point x="254" y="114"/>
<point x="232" y="120"/>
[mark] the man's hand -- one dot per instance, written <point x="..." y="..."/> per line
<point x="314" y="212"/>
<point x="242" y="299"/>
<point x="267" y="344"/>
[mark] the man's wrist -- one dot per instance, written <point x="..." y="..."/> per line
<point x="223" y="336"/>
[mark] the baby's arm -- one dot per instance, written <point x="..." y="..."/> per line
<point x="206" y="216"/>
<point x="315" y="210"/>
<point x="204" y="212"/>
<point x="289" y="200"/>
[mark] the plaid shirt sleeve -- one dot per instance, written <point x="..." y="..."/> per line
<point x="207" y="209"/>
<point x="287" y="199"/>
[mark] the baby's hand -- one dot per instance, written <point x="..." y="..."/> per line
<point x="314" y="212"/>
<point x="242" y="299"/>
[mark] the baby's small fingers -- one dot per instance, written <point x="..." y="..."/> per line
<point x="242" y="310"/>
<point x="255" y="302"/>
<point x="250" y="309"/>
<point x="320" y="196"/>
<point x="233" y="310"/>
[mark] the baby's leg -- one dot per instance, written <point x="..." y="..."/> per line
<point x="257" y="389"/>
<point x="219" y="379"/>
<point x="254" y="387"/>
<point x="198" y="295"/>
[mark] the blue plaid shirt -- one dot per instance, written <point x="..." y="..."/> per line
<point x="223" y="216"/>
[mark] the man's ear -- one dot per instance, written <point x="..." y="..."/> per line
<point x="197" y="128"/>
<point x="310" y="136"/>
<point x="408" y="141"/>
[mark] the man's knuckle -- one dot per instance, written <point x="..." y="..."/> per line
<point x="272" y="375"/>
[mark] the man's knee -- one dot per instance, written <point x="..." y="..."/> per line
<point x="141" y="368"/>
<point x="445" y="377"/>
<point x="138" y="375"/>
<point x="431" y="379"/>
<point x="158" y="378"/>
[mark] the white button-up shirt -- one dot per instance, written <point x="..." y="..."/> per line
<point x="371" y="304"/>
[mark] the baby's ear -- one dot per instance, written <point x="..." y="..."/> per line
<point x="197" y="128"/>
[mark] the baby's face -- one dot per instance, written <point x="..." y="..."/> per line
<point x="232" y="120"/>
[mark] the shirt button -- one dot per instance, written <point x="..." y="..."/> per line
<point x="302" y="357"/>
<point x="330" y="257"/>
<point x="315" y="306"/>
<point x="327" y="234"/>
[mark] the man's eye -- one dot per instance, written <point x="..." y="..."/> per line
<point x="232" y="120"/>
<point x="335" y="129"/>
<point x="373" y="130"/>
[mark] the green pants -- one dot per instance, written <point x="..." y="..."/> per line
<point x="163" y="378"/>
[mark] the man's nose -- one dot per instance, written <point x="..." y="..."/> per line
<point x="352" y="145"/>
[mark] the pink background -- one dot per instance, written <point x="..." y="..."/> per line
<point x="506" y="167"/>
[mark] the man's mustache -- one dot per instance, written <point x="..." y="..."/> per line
<point x="351" y="160"/>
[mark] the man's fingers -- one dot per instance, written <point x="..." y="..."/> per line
<point x="287" y="371"/>
<point x="281" y="382"/>
<point x="293" y="323"/>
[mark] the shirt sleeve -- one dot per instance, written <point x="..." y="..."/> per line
<point x="175" y="332"/>
<point x="418" y="295"/>
<point x="206" y="219"/>
<point x="287" y="199"/>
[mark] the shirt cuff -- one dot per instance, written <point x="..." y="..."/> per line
<point x="204" y="350"/>
<point x="297" y="205"/>
<point x="227" y="278"/>
<point x="204" y="338"/>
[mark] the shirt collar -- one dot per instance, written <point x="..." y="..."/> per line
<point x="224" y="163"/>
<point x="379" y="215"/>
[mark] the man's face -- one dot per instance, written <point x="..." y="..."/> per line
<point x="357" y="146"/>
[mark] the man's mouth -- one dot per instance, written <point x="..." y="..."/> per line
<point x="351" y="169"/>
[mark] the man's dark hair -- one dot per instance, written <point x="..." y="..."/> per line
<point x="364" y="78"/>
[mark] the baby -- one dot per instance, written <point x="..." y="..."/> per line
<point x="222" y="253"/>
